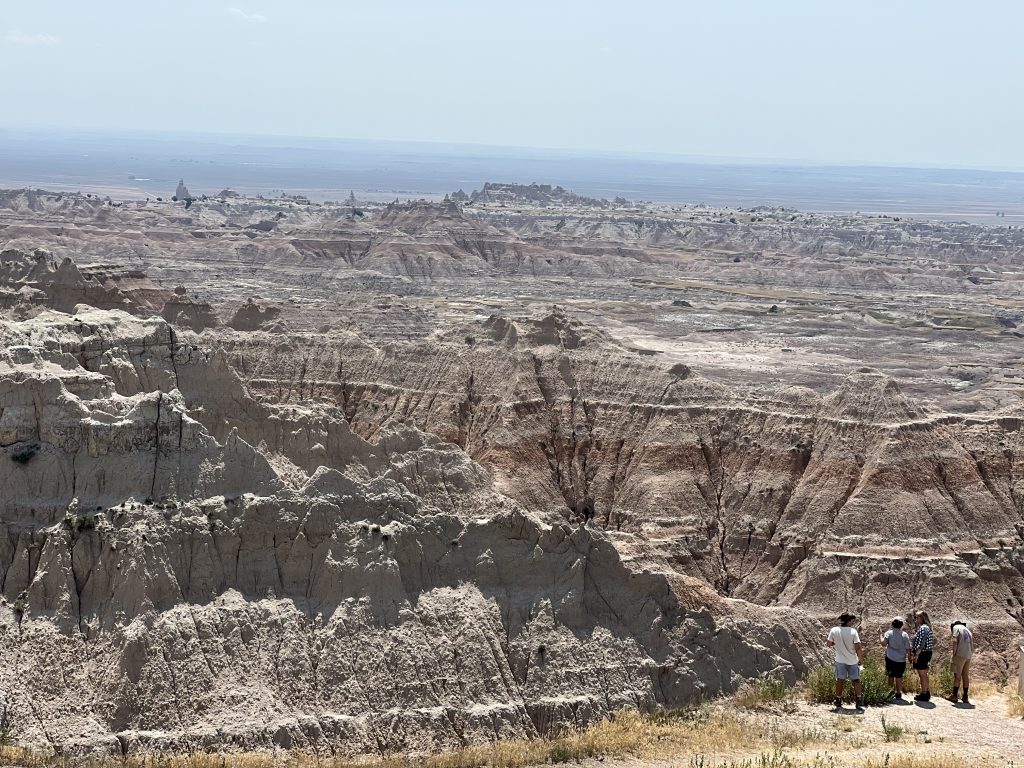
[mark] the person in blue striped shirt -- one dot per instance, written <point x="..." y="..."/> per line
<point x="922" y="647"/>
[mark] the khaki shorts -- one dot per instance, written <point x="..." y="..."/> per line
<point x="961" y="665"/>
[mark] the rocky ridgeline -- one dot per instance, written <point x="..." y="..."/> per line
<point x="184" y="567"/>
<point x="530" y="194"/>
<point x="285" y="238"/>
<point x="36" y="278"/>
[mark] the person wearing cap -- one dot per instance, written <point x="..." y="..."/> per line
<point x="963" y="650"/>
<point x="922" y="647"/>
<point x="849" y="656"/>
<point x="897" y="645"/>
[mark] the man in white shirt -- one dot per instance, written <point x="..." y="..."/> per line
<point x="849" y="656"/>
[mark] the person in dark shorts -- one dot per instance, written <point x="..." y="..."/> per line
<point x="922" y="647"/>
<point x="897" y="645"/>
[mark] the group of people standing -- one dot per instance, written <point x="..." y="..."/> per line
<point x="901" y="649"/>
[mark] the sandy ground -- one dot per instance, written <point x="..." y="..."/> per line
<point x="934" y="735"/>
<point x="982" y="731"/>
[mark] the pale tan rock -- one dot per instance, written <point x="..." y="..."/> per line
<point x="164" y="587"/>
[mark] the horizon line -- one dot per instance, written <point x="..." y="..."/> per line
<point x="221" y="138"/>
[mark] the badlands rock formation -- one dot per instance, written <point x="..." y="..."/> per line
<point x="860" y="498"/>
<point x="531" y="194"/>
<point x="36" y="278"/>
<point x="467" y="472"/>
<point x="184" y="567"/>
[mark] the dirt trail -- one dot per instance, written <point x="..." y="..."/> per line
<point x="934" y="735"/>
<point x="982" y="732"/>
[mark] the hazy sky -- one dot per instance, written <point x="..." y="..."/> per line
<point x="933" y="83"/>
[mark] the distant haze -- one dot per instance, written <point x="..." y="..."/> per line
<point x="908" y="83"/>
<point x="149" y="165"/>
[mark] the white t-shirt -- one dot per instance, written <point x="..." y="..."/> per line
<point x="845" y="639"/>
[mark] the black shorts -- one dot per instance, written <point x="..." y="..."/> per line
<point x="921" y="662"/>
<point x="894" y="668"/>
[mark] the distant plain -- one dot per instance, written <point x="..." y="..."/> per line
<point x="149" y="165"/>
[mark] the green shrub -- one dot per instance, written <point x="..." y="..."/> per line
<point x="891" y="732"/>
<point x="770" y="690"/>
<point x="942" y="680"/>
<point x="821" y="682"/>
<point x="560" y="753"/>
<point x="875" y="685"/>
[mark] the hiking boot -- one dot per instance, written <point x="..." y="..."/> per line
<point x="860" y="704"/>
<point x="953" y="698"/>
<point x="965" y="700"/>
<point x="922" y="697"/>
<point x="837" y="703"/>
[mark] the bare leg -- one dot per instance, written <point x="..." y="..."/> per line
<point x="840" y="684"/>
<point x="923" y="675"/>
<point x="856" y="689"/>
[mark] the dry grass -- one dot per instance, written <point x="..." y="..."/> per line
<point x="685" y="734"/>
<point x="1015" y="707"/>
<point x="712" y="736"/>
<point x="910" y="760"/>
<point x="981" y="689"/>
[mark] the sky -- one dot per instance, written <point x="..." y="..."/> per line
<point x="898" y="82"/>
